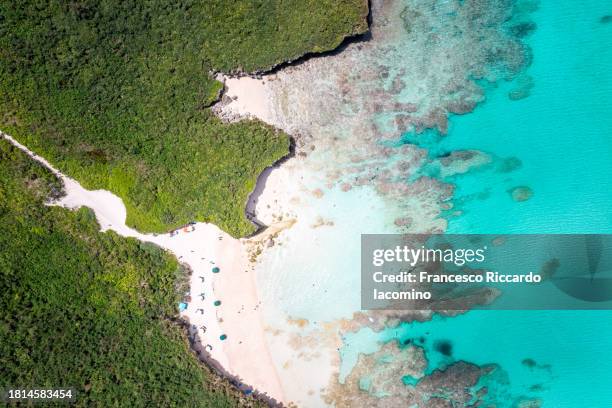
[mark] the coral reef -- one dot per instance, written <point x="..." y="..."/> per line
<point x="425" y="61"/>
<point x="378" y="380"/>
<point x="363" y="120"/>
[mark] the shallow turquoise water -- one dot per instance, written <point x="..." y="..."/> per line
<point x="569" y="350"/>
<point x="561" y="134"/>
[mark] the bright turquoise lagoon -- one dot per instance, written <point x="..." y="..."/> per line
<point x="562" y="135"/>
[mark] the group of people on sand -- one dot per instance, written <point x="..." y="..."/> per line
<point x="186" y="228"/>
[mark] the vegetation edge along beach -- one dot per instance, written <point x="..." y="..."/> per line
<point x="117" y="96"/>
<point x="92" y="310"/>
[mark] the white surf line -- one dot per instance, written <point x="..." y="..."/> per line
<point x="245" y="353"/>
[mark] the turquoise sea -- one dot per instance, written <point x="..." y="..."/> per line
<point x="562" y="135"/>
<point x="547" y="131"/>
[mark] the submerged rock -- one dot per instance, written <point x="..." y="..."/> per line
<point x="462" y="161"/>
<point x="318" y="193"/>
<point x="523" y="29"/>
<point x="518" y="94"/>
<point x="403" y="221"/>
<point x="521" y="193"/>
<point x="509" y="164"/>
<point x="524" y="84"/>
<point x="530" y="403"/>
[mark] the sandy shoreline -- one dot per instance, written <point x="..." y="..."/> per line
<point x="244" y="353"/>
<point x="243" y="98"/>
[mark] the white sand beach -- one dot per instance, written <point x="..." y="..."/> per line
<point x="244" y="98"/>
<point x="244" y="352"/>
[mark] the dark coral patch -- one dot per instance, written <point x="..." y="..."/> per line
<point x="521" y="193"/>
<point x="522" y="30"/>
<point x="444" y="347"/>
<point x="529" y="362"/>
<point x="509" y="164"/>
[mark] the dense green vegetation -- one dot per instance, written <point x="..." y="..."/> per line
<point x="88" y="309"/>
<point x="115" y="94"/>
<point x="251" y="35"/>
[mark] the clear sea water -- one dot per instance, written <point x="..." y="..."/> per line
<point x="562" y="134"/>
